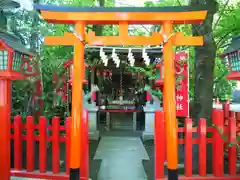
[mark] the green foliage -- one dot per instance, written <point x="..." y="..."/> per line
<point x="222" y="87"/>
<point x="227" y="23"/>
<point x="149" y="73"/>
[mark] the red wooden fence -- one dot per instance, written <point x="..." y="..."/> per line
<point x="32" y="133"/>
<point x="38" y="133"/>
<point x="217" y="147"/>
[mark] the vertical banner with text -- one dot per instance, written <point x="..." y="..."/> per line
<point x="182" y="83"/>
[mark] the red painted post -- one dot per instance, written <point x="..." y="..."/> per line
<point x="42" y="144"/>
<point x="68" y="133"/>
<point x="232" y="151"/>
<point x="17" y="142"/>
<point x="30" y="144"/>
<point x="55" y="145"/>
<point x="188" y="147"/>
<point x="238" y="116"/>
<point x="5" y="97"/>
<point x="232" y="114"/>
<point x="159" y="144"/>
<point x="202" y="130"/>
<point x="226" y="108"/>
<point x="87" y="142"/>
<point x="238" y="125"/>
<point x="218" y="144"/>
<point x="84" y="142"/>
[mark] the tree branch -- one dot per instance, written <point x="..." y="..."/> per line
<point x="218" y="20"/>
<point x="178" y="1"/>
<point x="220" y="77"/>
<point x="223" y="38"/>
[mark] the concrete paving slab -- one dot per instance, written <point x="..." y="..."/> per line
<point x="121" y="158"/>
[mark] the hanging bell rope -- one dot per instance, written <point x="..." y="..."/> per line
<point x="121" y="87"/>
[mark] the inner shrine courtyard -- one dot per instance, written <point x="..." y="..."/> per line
<point x="95" y="90"/>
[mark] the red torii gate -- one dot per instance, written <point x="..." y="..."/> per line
<point x="81" y="16"/>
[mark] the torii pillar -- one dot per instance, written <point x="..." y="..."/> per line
<point x="124" y="16"/>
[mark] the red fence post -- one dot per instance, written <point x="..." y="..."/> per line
<point x="218" y="144"/>
<point x="55" y="145"/>
<point x="159" y="144"/>
<point x="84" y="142"/>
<point x="226" y="108"/>
<point x="18" y="142"/>
<point x="202" y="130"/>
<point x="188" y="147"/>
<point x="30" y="144"/>
<point x="232" y="151"/>
<point x="68" y="133"/>
<point x="238" y="116"/>
<point x="238" y="123"/>
<point x="42" y="144"/>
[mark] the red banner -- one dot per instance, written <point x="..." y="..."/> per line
<point x="182" y="98"/>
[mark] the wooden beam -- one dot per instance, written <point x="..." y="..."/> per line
<point x="123" y="29"/>
<point x="180" y="40"/>
<point x="155" y="39"/>
<point x="130" y="17"/>
<point x="69" y="39"/>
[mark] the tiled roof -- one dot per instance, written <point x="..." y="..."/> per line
<point x="234" y="45"/>
<point x="14" y="42"/>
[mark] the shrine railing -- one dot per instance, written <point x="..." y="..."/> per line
<point x="206" y="135"/>
<point x="36" y="161"/>
<point x="32" y="143"/>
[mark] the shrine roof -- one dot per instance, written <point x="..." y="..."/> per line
<point x="10" y="4"/>
<point x="14" y="42"/>
<point x="233" y="46"/>
<point x="112" y="15"/>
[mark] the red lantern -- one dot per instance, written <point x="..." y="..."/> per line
<point x="104" y="74"/>
<point x="98" y="74"/>
<point x="110" y="73"/>
<point x="94" y="96"/>
<point x="148" y="96"/>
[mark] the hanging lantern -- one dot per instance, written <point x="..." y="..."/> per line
<point x="159" y="74"/>
<point x="98" y="73"/>
<point x="148" y="96"/>
<point x="110" y="73"/>
<point x="104" y="74"/>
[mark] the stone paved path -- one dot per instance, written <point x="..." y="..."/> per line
<point x="121" y="158"/>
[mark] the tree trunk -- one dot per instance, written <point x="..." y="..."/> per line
<point x="204" y="64"/>
<point x="99" y="28"/>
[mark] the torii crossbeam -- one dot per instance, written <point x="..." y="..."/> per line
<point x="166" y="16"/>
